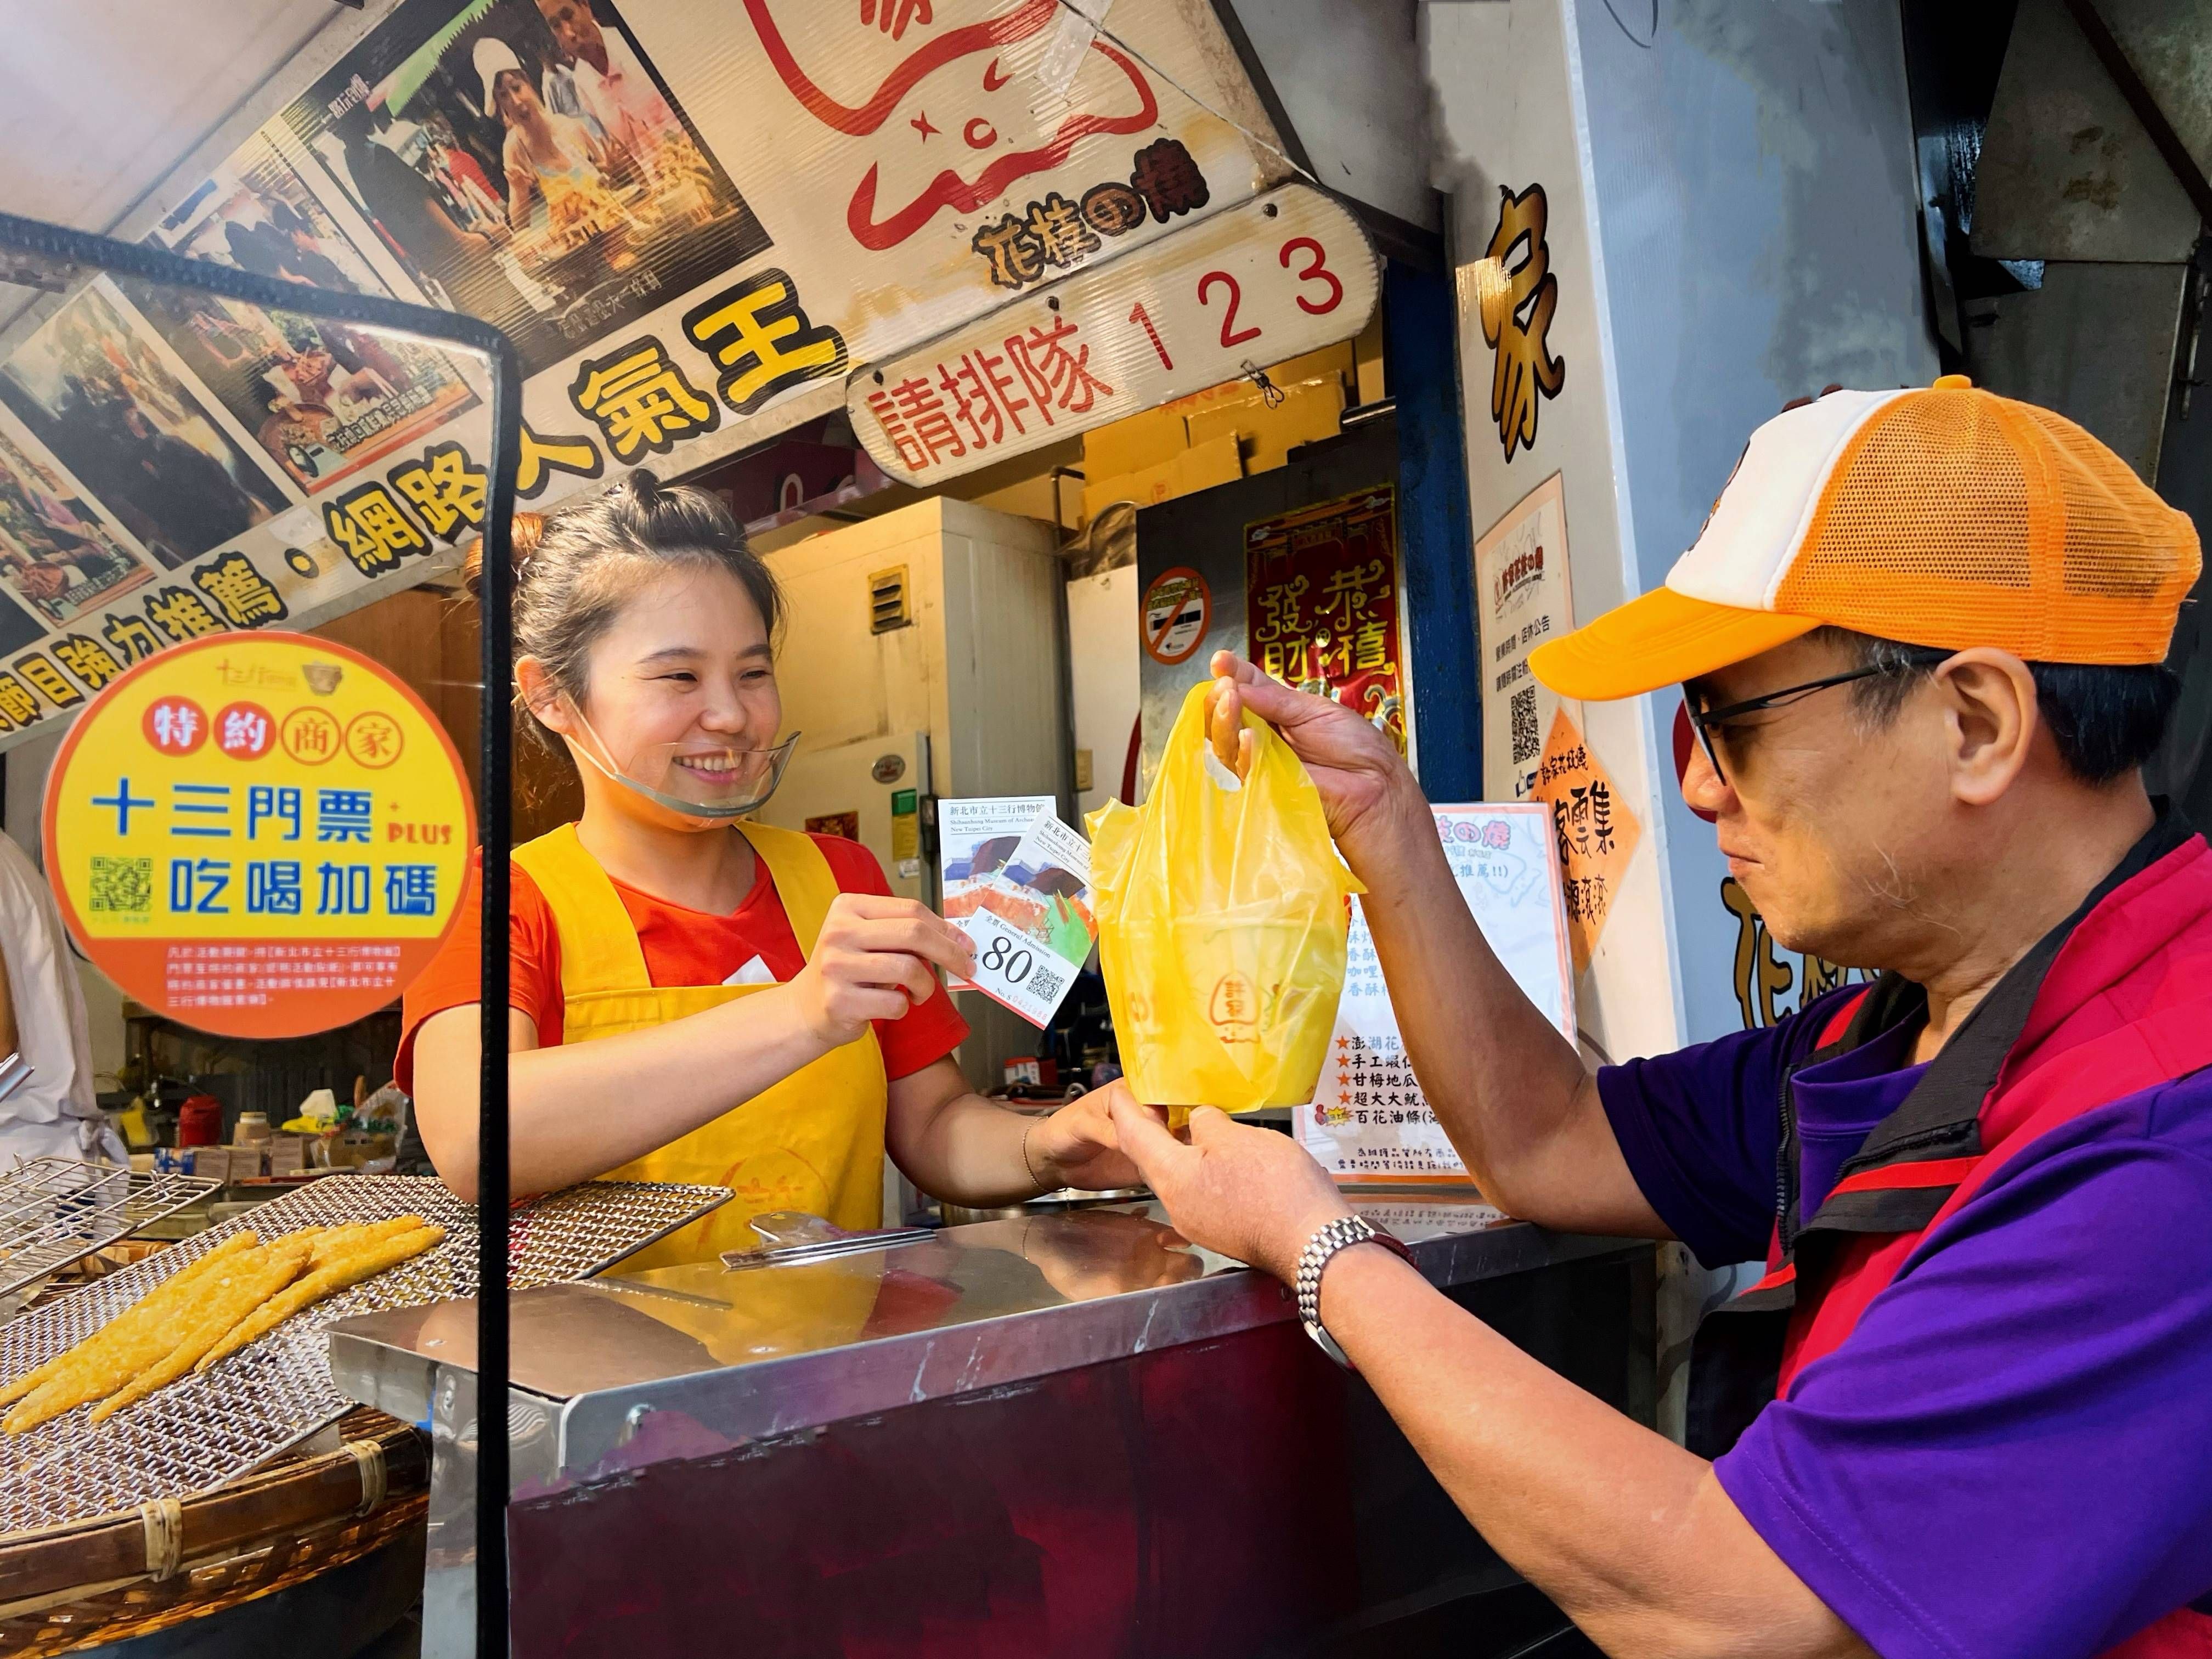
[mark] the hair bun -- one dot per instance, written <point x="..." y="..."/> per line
<point x="526" y="530"/>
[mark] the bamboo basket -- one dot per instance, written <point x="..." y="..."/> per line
<point x="137" y="1572"/>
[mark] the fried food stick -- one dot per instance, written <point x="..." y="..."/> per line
<point x="280" y="1264"/>
<point x="103" y="1369"/>
<point x="337" y="1241"/>
<point x="134" y="1321"/>
<point x="346" y="1270"/>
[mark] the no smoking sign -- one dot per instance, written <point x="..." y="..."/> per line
<point x="1176" y="610"/>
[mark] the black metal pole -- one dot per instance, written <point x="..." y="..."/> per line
<point x="495" y="801"/>
<point x="53" y="245"/>
<point x="79" y="251"/>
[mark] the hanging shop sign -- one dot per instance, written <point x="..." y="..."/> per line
<point x="1369" y="1120"/>
<point x="1320" y="599"/>
<point x="260" y="835"/>
<point x="1522" y="598"/>
<point x="1255" y="284"/>
<point x="693" y="221"/>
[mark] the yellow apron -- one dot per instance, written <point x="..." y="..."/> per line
<point x="814" y="1141"/>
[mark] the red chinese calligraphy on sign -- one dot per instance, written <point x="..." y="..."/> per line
<point x="948" y="84"/>
<point x="1320" y="598"/>
<point x="984" y="399"/>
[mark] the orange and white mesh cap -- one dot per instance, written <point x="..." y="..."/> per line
<point x="1947" y="517"/>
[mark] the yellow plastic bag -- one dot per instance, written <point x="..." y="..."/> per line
<point x="1222" y="915"/>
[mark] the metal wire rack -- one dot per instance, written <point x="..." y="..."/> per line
<point x="215" y="1425"/>
<point x="54" y="1209"/>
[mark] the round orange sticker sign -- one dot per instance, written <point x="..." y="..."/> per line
<point x="258" y="835"/>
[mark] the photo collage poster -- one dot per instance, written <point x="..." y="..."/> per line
<point x="322" y="400"/>
<point x="526" y="163"/>
<point x="693" y="221"/>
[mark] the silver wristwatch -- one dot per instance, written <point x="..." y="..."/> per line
<point x="1341" y="1234"/>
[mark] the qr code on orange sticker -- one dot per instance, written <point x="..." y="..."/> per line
<point x="123" y="886"/>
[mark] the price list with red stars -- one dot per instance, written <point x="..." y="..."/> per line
<point x="1370" y="1122"/>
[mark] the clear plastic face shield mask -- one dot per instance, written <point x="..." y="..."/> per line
<point x="697" y="777"/>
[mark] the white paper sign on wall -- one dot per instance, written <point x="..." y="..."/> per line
<point x="1523" y="598"/>
<point x="1370" y="1122"/>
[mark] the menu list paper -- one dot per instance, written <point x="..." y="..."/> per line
<point x="1369" y="1120"/>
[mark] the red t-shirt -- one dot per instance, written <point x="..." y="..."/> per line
<point x="682" y="947"/>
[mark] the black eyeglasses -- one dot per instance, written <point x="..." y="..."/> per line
<point x="1706" y="720"/>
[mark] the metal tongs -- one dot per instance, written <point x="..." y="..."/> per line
<point x="15" y="1073"/>
<point x="790" y="1236"/>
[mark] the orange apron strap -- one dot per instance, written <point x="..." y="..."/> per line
<point x="600" y="948"/>
<point x="804" y="880"/>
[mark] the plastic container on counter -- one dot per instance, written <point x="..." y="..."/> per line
<point x="199" y="1121"/>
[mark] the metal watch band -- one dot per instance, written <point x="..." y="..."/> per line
<point x="1338" y="1235"/>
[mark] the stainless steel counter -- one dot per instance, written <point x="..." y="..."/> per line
<point x="670" y="1366"/>
<point x="775" y="1350"/>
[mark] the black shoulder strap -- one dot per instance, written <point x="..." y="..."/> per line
<point x="1736" y="1365"/>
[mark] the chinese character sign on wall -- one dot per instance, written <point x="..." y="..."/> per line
<point x="258" y="835"/>
<point x="1765" y="973"/>
<point x="1264" y="281"/>
<point x="1321" y="599"/>
<point x="1518" y="293"/>
<point x="1015" y="132"/>
<point x="1593" y="827"/>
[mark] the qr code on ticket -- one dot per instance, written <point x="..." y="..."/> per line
<point x="1015" y="970"/>
<point x="123" y="886"/>
<point x="1045" y="983"/>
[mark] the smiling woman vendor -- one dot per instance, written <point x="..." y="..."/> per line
<point x="696" y="996"/>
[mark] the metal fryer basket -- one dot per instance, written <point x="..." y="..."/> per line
<point x="214" y="1426"/>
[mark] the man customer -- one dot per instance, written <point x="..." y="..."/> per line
<point x="1969" y="1410"/>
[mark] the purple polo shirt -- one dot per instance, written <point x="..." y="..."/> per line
<point x="2012" y="1455"/>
